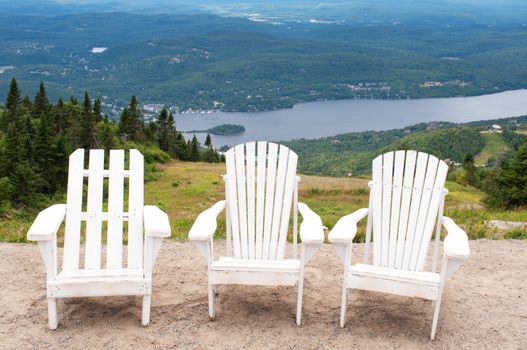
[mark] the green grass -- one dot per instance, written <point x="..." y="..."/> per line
<point x="517" y="233"/>
<point x="494" y="147"/>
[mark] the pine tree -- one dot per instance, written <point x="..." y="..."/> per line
<point x="162" y="127"/>
<point x="87" y="124"/>
<point x="107" y="141"/>
<point x="59" y="116"/>
<point x="41" y="104"/>
<point x="182" y="150"/>
<point x="508" y="188"/>
<point x="151" y="132"/>
<point x="470" y="170"/>
<point x="45" y="155"/>
<point x="97" y="111"/>
<point x="210" y="155"/>
<point x="194" y="150"/>
<point x="131" y="124"/>
<point x="208" y="141"/>
<point x="27" y="105"/>
<point x="61" y="160"/>
<point x="12" y="107"/>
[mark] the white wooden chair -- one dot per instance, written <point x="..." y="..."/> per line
<point x="260" y="185"/>
<point x="406" y="202"/>
<point x="147" y="226"/>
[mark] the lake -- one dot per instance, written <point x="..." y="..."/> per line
<point x="328" y="118"/>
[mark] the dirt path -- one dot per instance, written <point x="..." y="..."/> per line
<point x="484" y="307"/>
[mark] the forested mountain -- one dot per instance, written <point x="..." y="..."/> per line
<point x="204" y="61"/>
<point x="353" y="152"/>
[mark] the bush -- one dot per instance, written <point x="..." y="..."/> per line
<point x="517" y="233"/>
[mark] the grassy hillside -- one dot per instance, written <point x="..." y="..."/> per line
<point x="185" y="189"/>
<point x="494" y="147"/>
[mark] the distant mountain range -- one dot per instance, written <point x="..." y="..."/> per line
<point x="261" y="60"/>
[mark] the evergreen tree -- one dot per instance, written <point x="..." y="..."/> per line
<point x="151" y="132"/>
<point x="61" y="160"/>
<point x="107" y="141"/>
<point x="182" y="150"/>
<point x="87" y="124"/>
<point x="41" y="104"/>
<point x="162" y="127"/>
<point x="508" y="188"/>
<point x="131" y="123"/>
<point x="27" y="105"/>
<point x="210" y="154"/>
<point x="59" y="116"/>
<point x="12" y="106"/>
<point x="97" y="111"/>
<point x="208" y="141"/>
<point x="194" y="150"/>
<point x="470" y="170"/>
<point x="45" y="155"/>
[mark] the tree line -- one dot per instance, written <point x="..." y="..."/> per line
<point x="37" y="136"/>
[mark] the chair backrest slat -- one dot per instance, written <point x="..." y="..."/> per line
<point x="259" y="197"/>
<point x="135" y="210"/>
<point x="377" y="209"/>
<point x="251" y="196"/>
<point x="409" y="170"/>
<point x="272" y="157"/>
<point x="387" y="176"/>
<point x="242" y="199"/>
<point x="398" y="169"/>
<point x="232" y="202"/>
<point x="283" y="159"/>
<point x="73" y="211"/>
<point x="92" y="256"/>
<point x="290" y="183"/>
<point x="114" y="257"/>
<point x="405" y="208"/>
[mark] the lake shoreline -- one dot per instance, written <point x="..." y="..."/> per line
<point x="312" y="120"/>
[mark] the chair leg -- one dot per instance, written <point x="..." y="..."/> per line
<point x="145" y="318"/>
<point x="435" y="317"/>
<point x="212" y="312"/>
<point x="343" y="305"/>
<point x="299" y="301"/>
<point x="53" y="319"/>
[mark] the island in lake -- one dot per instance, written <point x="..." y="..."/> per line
<point x="223" y="129"/>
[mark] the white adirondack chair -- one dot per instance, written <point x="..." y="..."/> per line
<point x="260" y="185"/>
<point x="147" y="226"/>
<point x="406" y="202"/>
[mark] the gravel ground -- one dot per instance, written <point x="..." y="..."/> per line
<point x="484" y="307"/>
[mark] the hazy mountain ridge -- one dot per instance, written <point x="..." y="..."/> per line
<point x="204" y="61"/>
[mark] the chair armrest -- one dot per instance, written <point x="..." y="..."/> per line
<point x="456" y="242"/>
<point x="47" y="223"/>
<point x="311" y="229"/>
<point x="205" y="225"/>
<point x="346" y="228"/>
<point x="156" y="222"/>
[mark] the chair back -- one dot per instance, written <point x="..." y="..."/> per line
<point x="406" y="198"/>
<point x="96" y="196"/>
<point x="260" y="185"/>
